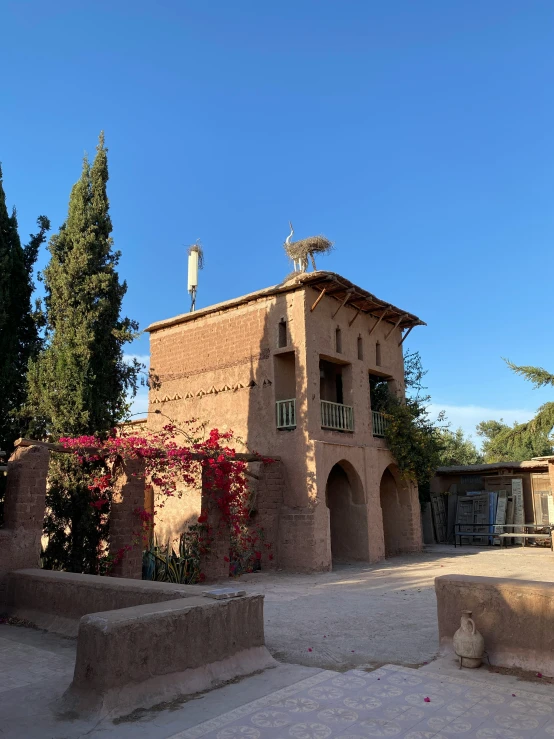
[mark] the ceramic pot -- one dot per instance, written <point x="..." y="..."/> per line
<point x="468" y="643"/>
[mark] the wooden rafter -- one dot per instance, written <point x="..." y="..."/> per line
<point x="358" y="311"/>
<point x="319" y="297"/>
<point x="241" y="456"/>
<point x="405" y="336"/>
<point x="344" y="302"/>
<point x="383" y="314"/>
<point x="396" y="325"/>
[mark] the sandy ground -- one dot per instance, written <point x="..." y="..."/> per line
<point x="376" y="614"/>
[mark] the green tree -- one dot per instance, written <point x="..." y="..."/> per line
<point x="80" y="384"/>
<point x="19" y="338"/>
<point x="411" y="434"/>
<point x="503" y="443"/>
<point x="457" y="449"/>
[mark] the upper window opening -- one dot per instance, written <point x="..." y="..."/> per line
<point x="282" y="333"/>
<point x="338" y="340"/>
<point x="378" y="354"/>
<point x="360" y="348"/>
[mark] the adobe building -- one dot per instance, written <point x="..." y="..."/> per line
<point x="289" y="370"/>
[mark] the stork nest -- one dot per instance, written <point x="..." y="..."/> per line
<point x="312" y="245"/>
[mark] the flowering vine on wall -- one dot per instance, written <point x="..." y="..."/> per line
<point x="172" y="458"/>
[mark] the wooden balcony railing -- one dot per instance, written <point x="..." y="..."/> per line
<point x="286" y="414"/>
<point x="380" y="423"/>
<point x="336" y="416"/>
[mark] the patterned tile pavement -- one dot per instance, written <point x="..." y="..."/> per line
<point x="389" y="702"/>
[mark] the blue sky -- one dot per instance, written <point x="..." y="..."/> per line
<point x="417" y="136"/>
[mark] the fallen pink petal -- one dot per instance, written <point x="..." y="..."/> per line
<point x="427" y="700"/>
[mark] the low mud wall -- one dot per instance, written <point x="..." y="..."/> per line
<point x="516" y="618"/>
<point x="140" y="643"/>
<point x="146" y="654"/>
<point x="56" y="601"/>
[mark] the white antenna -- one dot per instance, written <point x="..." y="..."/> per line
<point x="196" y="262"/>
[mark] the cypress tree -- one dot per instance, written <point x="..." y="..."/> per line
<point x="19" y="338"/>
<point x="80" y="384"/>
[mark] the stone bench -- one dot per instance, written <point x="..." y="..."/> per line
<point x="516" y="618"/>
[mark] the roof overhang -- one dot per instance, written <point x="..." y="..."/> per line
<point x="329" y="283"/>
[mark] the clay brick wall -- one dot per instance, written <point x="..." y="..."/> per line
<point x="23" y="509"/>
<point x="219" y="369"/>
<point x="125" y="525"/>
<point x="269" y="492"/>
<point x="174" y="515"/>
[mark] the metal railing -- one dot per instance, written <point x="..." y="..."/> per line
<point x="336" y="416"/>
<point x="380" y="423"/>
<point x="286" y="414"/>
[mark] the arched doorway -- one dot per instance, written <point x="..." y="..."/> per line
<point x="397" y="512"/>
<point x="344" y="496"/>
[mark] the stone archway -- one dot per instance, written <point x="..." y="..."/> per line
<point x="345" y="499"/>
<point x="396" y="508"/>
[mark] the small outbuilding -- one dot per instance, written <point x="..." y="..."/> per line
<point x="480" y="495"/>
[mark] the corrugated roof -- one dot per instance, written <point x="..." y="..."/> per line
<point x="468" y="469"/>
<point x="334" y="285"/>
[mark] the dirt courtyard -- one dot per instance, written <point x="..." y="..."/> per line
<point x="376" y="614"/>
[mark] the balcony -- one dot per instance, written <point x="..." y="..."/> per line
<point x="336" y="416"/>
<point x="380" y="423"/>
<point x="286" y="414"/>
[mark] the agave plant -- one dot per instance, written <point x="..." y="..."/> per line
<point x="164" y="564"/>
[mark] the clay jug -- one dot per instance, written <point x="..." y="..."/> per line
<point x="468" y="643"/>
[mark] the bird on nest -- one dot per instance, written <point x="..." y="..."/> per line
<point x="299" y="251"/>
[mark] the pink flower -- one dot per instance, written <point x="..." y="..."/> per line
<point x="539" y="674"/>
<point x="427" y="700"/>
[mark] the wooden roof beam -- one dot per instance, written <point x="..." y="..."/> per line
<point x="358" y="311"/>
<point x="383" y="314"/>
<point x="396" y="325"/>
<point x="240" y="456"/>
<point x="406" y="335"/>
<point x="344" y="302"/>
<point x="319" y="297"/>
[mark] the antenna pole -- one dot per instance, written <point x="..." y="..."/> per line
<point x="196" y="260"/>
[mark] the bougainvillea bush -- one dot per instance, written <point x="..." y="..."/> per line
<point x="77" y="524"/>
